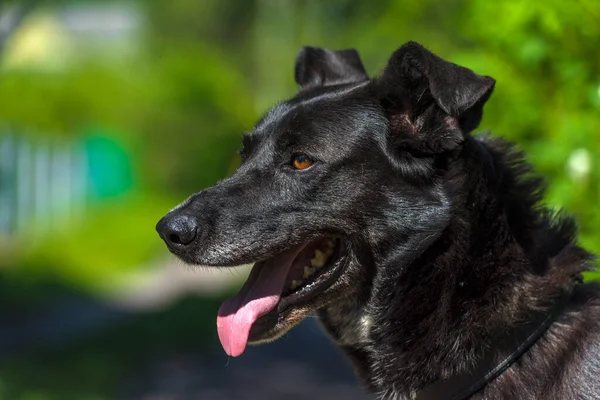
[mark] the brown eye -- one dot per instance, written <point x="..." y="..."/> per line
<point x="301" y="162"/>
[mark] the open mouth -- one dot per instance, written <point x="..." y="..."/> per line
<point x="275" y="285"/>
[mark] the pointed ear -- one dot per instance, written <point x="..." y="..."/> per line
<point x="457" y="90"/>
<point x="322" y="67"/>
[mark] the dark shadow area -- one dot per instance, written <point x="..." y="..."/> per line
<point x="68" y="345"/>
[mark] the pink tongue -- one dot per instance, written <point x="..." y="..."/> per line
<point x="259" y="295"/>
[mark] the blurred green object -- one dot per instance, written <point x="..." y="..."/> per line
<point x="109" y="165"/>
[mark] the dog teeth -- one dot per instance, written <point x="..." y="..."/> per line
<point x="318" y="260"/>
<point x="295" y="284"/>
<point x="308" y="271"/>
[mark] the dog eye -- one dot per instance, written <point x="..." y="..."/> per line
<point x="301" y="162"/>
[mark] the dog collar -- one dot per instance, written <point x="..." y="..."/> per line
<point x="498" y="359"/>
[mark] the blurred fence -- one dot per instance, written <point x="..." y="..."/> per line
<point x="42" y="184"/>
<point x="45" y="184"/>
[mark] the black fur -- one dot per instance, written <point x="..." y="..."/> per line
<point x="446" y="241"/>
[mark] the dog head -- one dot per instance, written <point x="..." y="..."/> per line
<point x="344" y="175"/>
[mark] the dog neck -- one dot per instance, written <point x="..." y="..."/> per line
<point x="418" y="321"/>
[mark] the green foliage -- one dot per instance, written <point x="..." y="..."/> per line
<point x="207" y="70"/>
<point x="547" y="98"/>
<point x="96" y="253"/>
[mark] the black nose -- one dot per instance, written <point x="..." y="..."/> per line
<point x="177" y="230"/>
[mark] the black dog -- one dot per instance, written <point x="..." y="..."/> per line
<point x="424" y="250"/>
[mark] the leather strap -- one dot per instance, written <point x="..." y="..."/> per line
<point x="498" y="359"/>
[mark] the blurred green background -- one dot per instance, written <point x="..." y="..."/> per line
<point x="112" y="112"/>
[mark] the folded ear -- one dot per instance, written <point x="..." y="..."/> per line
<point x="322" y="67"/>
<point x="457" y="90"/>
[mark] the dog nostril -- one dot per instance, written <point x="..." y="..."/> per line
<point x="173" y="238"/>
<point x="185" y="238"/>
<point x="179" y="230"/>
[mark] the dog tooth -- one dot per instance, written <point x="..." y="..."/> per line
<point x="308" y="271"/>
<point x="295" y="284"/>
<point x="314" y="263"/>
<point x="318" y="260"/>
